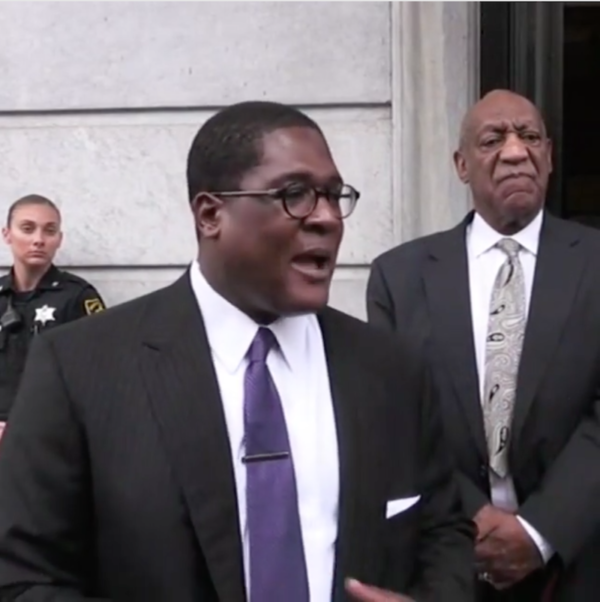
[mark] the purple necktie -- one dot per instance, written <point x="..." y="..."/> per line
<point x="277" y="564"/>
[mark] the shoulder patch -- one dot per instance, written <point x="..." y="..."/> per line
<point x="93" y="306"/>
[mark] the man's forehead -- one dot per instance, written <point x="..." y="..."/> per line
<point x="293" y="140"/>
<point x="503" y="107"/>
<point x="297" y="149"/>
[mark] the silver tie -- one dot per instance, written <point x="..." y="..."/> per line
<point x="506" y="330"/>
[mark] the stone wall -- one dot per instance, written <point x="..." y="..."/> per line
<point x="99" y="103"/>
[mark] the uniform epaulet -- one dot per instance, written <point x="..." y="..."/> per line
<point x="73" y="278"/>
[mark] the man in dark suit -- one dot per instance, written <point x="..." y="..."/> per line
<point x="506" y="306"/>
<point x="230" y="437"/>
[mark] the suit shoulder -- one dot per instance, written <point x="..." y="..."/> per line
<point x="74" y="282"/>
<point x="110" y="323"/>
<point x="411" y="251"/>
<point x="589" y="235"/>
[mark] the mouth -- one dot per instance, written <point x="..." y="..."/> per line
<point x="515" y="177"/>
<point x="315" y="264"/>
<point x="517" y="183"/>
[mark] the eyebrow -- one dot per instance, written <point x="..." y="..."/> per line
<point x="304" y="177"/>
<point x="27" y="222"/>
<point x="494" y="126"/>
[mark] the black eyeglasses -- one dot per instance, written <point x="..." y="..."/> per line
<point x="299" y="200"/>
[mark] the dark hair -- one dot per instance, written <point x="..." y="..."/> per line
<point x="30" y="199"/>
<point x="227" y="145"/>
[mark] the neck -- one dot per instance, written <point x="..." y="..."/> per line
<point x="508" y="226"/>
<point x="219" y="284"/>
<point x="25" y="279"/>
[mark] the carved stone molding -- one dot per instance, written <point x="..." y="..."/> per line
<point x="435" y="69"/>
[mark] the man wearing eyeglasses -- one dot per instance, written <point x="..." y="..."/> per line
<point x="230" y="437"/>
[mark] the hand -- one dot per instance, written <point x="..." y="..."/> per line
<point x="504" y="551"/>
<point x="2" y="425"/>
<point x="368" y="593"/>
<point x="487" y="519"/>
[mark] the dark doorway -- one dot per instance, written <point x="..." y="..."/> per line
<point x="581" y="110"/>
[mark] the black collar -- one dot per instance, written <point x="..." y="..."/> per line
<point x="50" y="280"/>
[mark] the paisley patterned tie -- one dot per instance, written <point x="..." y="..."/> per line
<point x="506" y="329"/>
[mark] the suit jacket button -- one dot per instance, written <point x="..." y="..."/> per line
<point x="483" y="470"/>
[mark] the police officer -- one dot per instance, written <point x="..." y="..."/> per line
<point x="35" y="295"/>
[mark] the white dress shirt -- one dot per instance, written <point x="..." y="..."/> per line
<point x="484" y="262"/>
<point x="299" y="369"/>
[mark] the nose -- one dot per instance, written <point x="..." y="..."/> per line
<point x="514" y="150"/>
<point x="38" y="238"/>
<point x="325" y="215"/>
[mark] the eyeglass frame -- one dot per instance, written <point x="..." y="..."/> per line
<point x="278" y="194"/>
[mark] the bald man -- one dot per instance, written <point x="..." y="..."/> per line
<point x="506" y="308"/>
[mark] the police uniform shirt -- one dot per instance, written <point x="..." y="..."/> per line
<point x="59" y="297"/>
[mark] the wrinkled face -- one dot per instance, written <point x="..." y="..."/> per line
<point x="506" y="158"/>
<point x="275" y="264"/>
<point x="33" y="235"/>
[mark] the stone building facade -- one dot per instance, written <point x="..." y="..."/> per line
<point x="99" y="103"/>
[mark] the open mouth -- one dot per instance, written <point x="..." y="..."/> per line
<point x="314" y="263"/>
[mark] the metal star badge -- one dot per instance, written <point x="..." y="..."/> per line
<point x="44" y="314"/>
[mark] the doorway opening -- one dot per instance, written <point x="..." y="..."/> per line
<point x="581" y="113"/>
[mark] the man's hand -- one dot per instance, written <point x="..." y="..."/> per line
<point x="487" y="519"/>
<point x="368" y="593"/>
<point x="505" y="553"/>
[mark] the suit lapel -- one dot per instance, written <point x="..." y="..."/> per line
<point x="182" y="388"/>
<point x="351" y="393"/>
<point x="446" y="280"/>
<point x="559" y="267"/>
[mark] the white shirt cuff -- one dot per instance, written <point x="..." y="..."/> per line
<point x="543" y="546"/>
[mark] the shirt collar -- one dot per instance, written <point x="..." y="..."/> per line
<point x="482" y="237"/>
<point x="50" y="280"/>
<point x="230" y="331"/>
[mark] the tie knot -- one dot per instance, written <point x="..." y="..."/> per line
<point x="263" y="342"/>
<point x="509" y="246"/>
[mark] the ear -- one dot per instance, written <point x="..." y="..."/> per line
<point x="460" y="165"/>
<point x="6" y="235"/>
<point x="208" y="213"/>
<point x="60" y="239"/>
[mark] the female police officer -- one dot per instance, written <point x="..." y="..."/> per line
<point x="35" y="295"/>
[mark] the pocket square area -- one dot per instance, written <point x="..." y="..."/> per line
<point x="394" y="507"/>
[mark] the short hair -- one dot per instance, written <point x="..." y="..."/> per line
<point x="228" y="145"/>
<point x="30" y="199"/>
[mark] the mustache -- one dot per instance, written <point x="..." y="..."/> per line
<point x="515" y="175"/>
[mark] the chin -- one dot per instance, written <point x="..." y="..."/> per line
<point x="521" y="206"/>
<point x="308" y="301"/>
<point x="37" y="262"/>
<point x="519" y="202"/>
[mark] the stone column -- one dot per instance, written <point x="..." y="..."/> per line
<point x="435" y="72"/>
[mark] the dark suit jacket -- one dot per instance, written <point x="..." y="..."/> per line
<point x="421" y="289"/>
<point x="116" y="479"/>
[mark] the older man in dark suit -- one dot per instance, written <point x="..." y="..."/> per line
<point x="506" y="306"/>
<point x="230" y="437"/>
